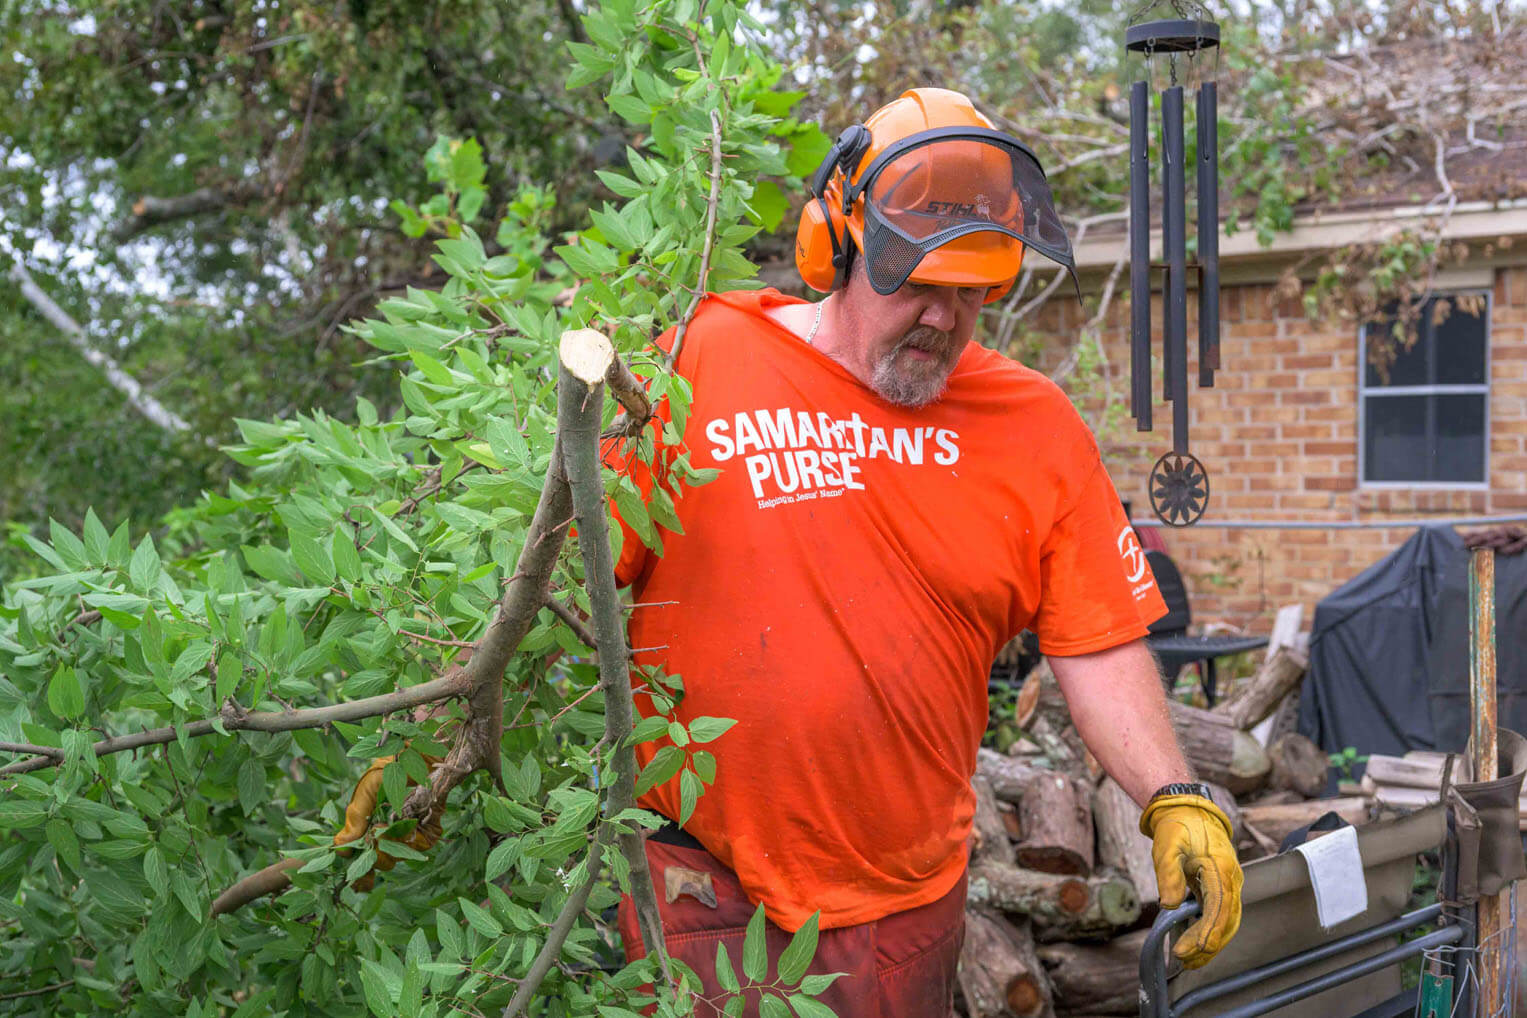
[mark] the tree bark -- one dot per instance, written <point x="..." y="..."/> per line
<point x="1218" y="750"/>
<point x="1395" y="770"/>
<point x="1297" y="765"/>
<point x="1097" y="979"/>
<point x="1055" y="815"/>
<point x="1009" y="776"/>
<point x="1000" y="975"/>
<point x="1276" y="822"/>
<point x="991" y="834"/>
<point x="1120" y="843"/>
<point x="1277" y="677"/>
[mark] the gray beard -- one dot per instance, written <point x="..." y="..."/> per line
<point x="920" y="384"/>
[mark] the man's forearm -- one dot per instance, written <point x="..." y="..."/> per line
<point x="1119" y="708"/>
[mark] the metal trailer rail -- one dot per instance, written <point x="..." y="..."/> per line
<point x="1155" y="1000"/>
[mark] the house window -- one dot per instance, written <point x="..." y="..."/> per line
<point x="1425" y="420"/>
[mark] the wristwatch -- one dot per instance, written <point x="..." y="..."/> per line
<point x="1184" y="788"/>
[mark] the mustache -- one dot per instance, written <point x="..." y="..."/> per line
<point x="925" y="337"/>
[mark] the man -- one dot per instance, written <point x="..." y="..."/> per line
<point x="894" y="504"/>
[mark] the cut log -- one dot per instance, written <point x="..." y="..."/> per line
<point x="1218" y="750"/>
<point x="1009" y="776"/>
<point x="1061" y="907"/>
<point x="1276" y="822"/>
<point x="1297" y="765"/>
<point x="1277" y="677"/>
<point x="1056" y="817"/>
<point x="1098" y="979"/>
<point x="1396" y="770"/>
<point x="991" y="840"/>
<point x="1040" y="696"/>
<point x="1120" y="843"/>
<point x="1000" y="975"/>
<point x="1401" y="797"/>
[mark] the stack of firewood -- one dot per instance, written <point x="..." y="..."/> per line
<point x="1062" y="889"/>
<point x="1414" y="780"/>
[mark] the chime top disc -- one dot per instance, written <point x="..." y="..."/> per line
<point x="1171" y="36"/>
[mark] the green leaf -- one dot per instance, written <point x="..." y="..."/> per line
<point x="65" y="844"/>
<point x="704" y="729"/>
<point x="251" y="785"/>
<point x="230" y="669"/>
<point x="704" y="765"/>
<point x="816" y="984"/>
<point x="155" y="871"/>
<point x="647" y="729"/>
<point x="689" y="793"/>
<point x="769" y="204"/>
<point x="755" y="951"/>
<point x="480" y="919"/>
<point x="312" y="558"/>
<point x="797" y="956"/>
<point x="771" y="1006"/>
<point x="503" y="856"/>
<point x="66" y="698"/>
<point x="347" y="561"/>
<point x="69" y="547"/>
<point x="143" y="569"/>
<point x="97" y="540"/>
<point x="663" y="766"/>
<point x="805" y="1007"/>
<point x="374" y="980"/>
<point x="724" y="974"/>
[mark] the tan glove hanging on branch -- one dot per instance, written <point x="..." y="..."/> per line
<point x="358" y="819"/>
<point x="1191" y="840"/>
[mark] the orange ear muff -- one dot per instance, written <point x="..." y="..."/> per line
<point x="818" y="253"/>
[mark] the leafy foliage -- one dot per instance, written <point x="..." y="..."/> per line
<point x="351" y="559"/>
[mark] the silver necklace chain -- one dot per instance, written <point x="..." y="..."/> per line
<point x="816" y="324"/>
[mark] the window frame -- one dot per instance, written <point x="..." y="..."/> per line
<point x="1364" y="393"/>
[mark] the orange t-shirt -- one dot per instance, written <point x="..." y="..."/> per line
<point x="841" y="590"/>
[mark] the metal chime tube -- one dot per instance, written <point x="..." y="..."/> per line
<point x="1139" y="256"/>
<point x="1174" y="243"/>
<point x="1208" y="233"/>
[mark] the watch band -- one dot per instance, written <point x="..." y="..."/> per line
<point x="1184" y="788"/>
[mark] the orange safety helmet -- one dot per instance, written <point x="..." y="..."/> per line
<point x="930" y="192"/>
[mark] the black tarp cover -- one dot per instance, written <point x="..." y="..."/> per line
<point x="1389" y="651"/>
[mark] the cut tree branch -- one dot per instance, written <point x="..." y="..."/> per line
<point x="586" y="356"/>
<point x="120" y="380"/>
<point x="234" y="718"/>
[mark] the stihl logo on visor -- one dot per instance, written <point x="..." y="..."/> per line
<point x="954" y="209"/>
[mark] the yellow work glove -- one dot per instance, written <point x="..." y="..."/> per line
<point x="1190" y="839"/>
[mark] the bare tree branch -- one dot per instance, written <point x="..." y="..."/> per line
<point x="120" y="380"/>
<point x="31" y="750"/>
<point x="234" y="718"/>
<point x="150" y="211"/>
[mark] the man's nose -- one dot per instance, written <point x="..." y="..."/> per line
<point x="939" y="312"/>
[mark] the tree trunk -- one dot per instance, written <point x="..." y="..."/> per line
<point x="1120" y="843"/>
<point x="1000" y="975"/>
<point x="1297" y="765"/>
<point x="991" y="835"/>
<point x="1278" y="821"/>
<point x="1056" y="818"/>
<point x="1277" y="677"/>
<point x="1060" y="907"/>
<point x="1098" y="979"/>
<point x="1219" y="751"/>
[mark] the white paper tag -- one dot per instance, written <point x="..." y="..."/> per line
<point x="1336" y="872"/>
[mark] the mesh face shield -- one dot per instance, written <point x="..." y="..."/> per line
<point x="962" y="203"/>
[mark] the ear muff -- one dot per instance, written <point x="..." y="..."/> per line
<point x="823" y="251"/>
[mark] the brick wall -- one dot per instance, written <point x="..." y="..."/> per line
<point x="1278" y="436"/>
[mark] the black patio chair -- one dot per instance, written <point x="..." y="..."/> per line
<point x="1169" y="638"/>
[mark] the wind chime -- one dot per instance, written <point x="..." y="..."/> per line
<point x="1179" y="485"/>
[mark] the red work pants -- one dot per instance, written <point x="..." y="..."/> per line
<point x="901" y="966"/>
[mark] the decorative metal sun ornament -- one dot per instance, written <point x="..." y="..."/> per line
<point x="1183" y="37"/>
<point x="1179" y="489"/>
